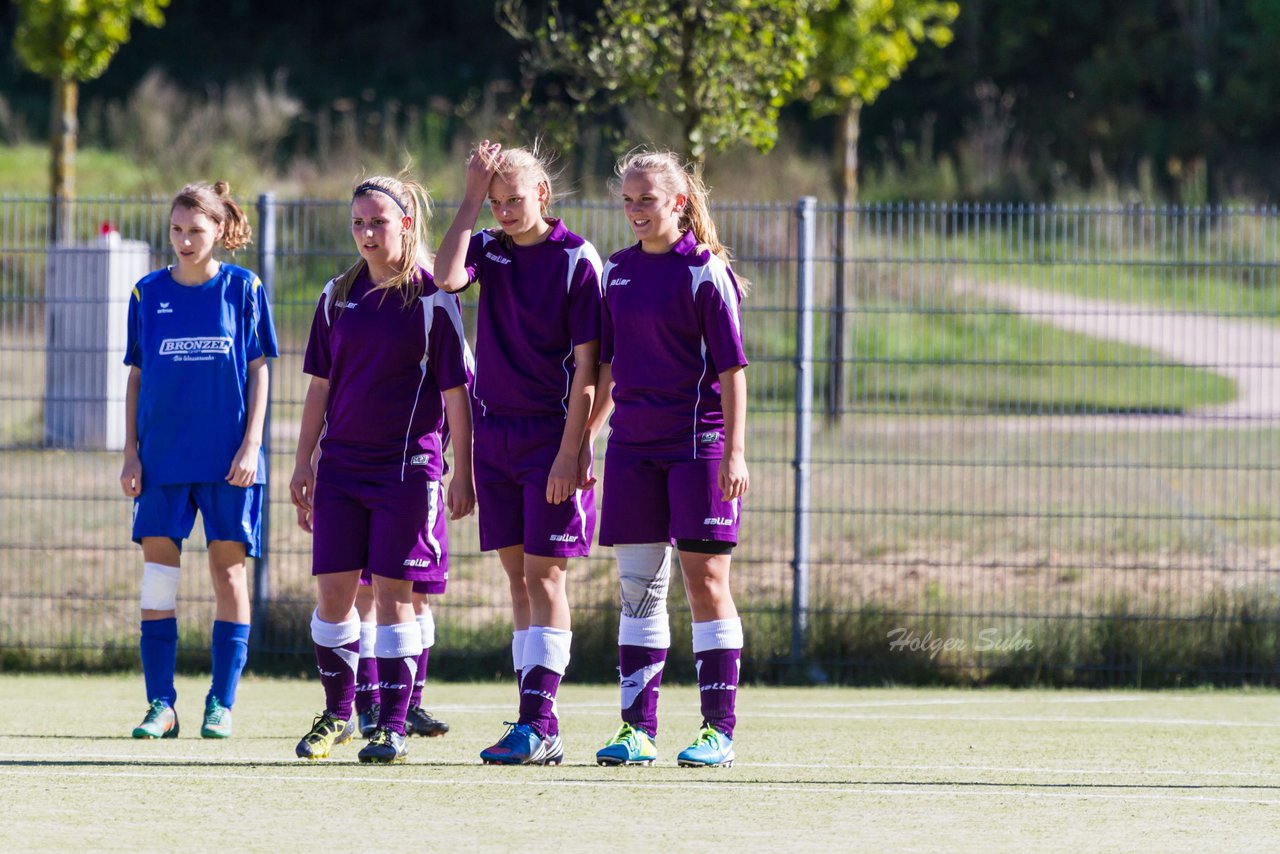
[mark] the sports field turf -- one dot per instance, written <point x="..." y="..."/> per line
<point x="818" y="769"/>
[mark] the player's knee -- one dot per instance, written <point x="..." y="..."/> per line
<point x="159" y="587"/>
<point x="644" y="575"/>
<point x="707" y="591"/>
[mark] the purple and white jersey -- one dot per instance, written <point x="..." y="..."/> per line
<point x="670" y="326"/>
<point x="536" y="304"/>
<point x="387" y="365"/>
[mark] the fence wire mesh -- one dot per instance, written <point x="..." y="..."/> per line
<point x="1044" y="446"/>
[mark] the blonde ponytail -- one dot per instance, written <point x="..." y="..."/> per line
<point x="684" y="179"/>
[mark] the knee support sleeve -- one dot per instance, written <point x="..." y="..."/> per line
<point x="644" y="574"/>
<point x="159" y="587"/>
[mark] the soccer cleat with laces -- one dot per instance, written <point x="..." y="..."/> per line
<point x="369" y="720"/>
<point x="386" y="746"/>
<point x="161" y="721"/>
<point x="327" y="732"/>
<point x="630" y="746"/>
<point x="521" y="745"/>
<point x="711" y="749"/>
<point x="418" y="721"/>
<point x="217" y="720"/>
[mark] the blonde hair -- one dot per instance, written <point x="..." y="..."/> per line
<point x="678" y="177"/>
<point x="215" y="202"/>
<point x="533" y="163"/>
<point x="412" y="198"/>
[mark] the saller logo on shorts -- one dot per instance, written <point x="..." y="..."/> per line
<point x="419" y="459"/>
<point x="217" y="346"/>
<point x="717" y="520"/>
<point x="419" y="562"/>
<point x="563" y="538"/>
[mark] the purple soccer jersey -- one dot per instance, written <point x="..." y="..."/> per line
<point x="670" y="326"/>
<point x="536" y="304"/>
<point x="387" y="365"/>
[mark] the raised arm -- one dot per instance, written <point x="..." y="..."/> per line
<point x="451" y="258"/>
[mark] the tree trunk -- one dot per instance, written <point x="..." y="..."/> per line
<point x="691" y="114"/>
<point x="846" y="196"/>
<point x="62" y="158"/>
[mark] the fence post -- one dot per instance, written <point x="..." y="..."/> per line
<point x="805" y="231"/>
<point x="261" y="574"/>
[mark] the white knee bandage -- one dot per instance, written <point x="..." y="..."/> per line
<point x="159" y="587"/>
<point x="644" y="574"/>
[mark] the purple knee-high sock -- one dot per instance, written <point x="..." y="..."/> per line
<point x="338" y="677"/>
<point x="546" y="657"/>
<point x="366" y="683"/>
<point x="718" y="687"/>
<point x="398" y="648"/>
<point x="419" y="680"/>
<point x="640" y="668"/>
<point x="337" y="651"/>
<point x="717" y="649"/>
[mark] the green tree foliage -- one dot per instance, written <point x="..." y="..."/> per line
<point x="723" y="68"/>
<point x="863" y="46"/>
<point x="69" y="42"/>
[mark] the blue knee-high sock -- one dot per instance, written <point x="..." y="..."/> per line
<point x="230" y="652"/>
<point x="159" y="648"/>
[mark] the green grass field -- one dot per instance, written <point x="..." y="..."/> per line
<point x="818" y="769"/>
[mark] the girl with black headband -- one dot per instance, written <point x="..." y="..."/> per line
<point x="388" y="367"/>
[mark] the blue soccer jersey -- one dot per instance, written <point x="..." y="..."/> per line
<point x="194" y="345"/>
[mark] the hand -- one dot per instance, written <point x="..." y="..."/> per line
<point x="462" y="497"/>
<point x="586" y="460"/>
<point x="562" y="480"/>
<point x="732" y="478"/>
<point x="302" y="488"/>
<point x="484" y="161"/>
<point x="131" y="476"/>
<point x="244" y="468"/>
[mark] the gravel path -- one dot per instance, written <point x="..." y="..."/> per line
<point x="1247" y="352"/>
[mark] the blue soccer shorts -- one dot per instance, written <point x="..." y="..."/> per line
<point x="229" y="512"/>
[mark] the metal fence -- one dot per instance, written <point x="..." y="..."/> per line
<point x="991" y="442"/>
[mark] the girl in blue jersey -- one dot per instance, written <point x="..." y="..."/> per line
<point x="537" y="348"/>
<point x="199" y="337"/>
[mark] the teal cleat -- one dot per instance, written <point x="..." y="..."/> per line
<point x="711" y="749"/>
<point x="217" y="720"/>
<point x="161" y="721"/>
<point x="630" y="746"/>
<point x="523" y="746"/>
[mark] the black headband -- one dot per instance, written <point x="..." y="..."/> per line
<point x="364" y="188"/>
